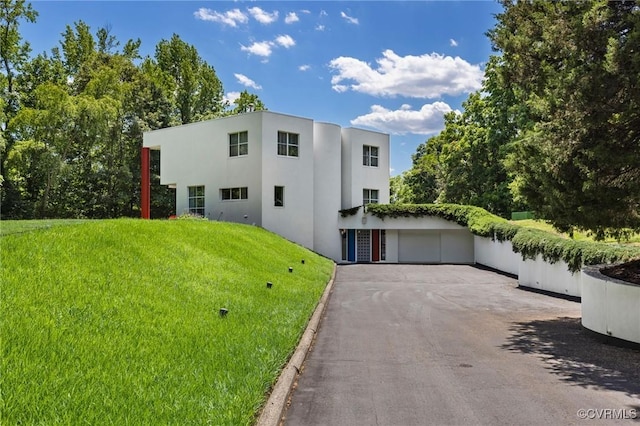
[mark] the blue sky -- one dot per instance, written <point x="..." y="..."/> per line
<point x="395" y="67"/>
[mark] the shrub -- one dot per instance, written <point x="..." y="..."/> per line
<point x="528" y="242"/>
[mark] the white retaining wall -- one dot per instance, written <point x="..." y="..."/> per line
<point x="496" y="254"/>
<point x="609" y="306"/>
<point x="554" y="277"/>
<point x="536" y="273"/>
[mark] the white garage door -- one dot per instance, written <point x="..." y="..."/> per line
<point x="418" y="246"/>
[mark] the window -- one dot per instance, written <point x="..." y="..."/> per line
<point x="238" y="144"/>
<point x="196" y="200"/>
<point x="288" y="144"/>
<point x="228" y="194"/>
<point x="370" y="196"/>
<point x="370" y="156"/>
<point x="278" y="196"/>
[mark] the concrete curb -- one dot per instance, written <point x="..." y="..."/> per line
<point x="273" y="410"/>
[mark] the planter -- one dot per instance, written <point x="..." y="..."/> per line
<point x="609" y="306"/>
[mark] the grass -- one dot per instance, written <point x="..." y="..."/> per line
<point x="8" y="227"/>
<point x="117" y="322"/>
<point x="578" y="236"/>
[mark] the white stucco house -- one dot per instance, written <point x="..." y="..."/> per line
<point x="292" y="176"/>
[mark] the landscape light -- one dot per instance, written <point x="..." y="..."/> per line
<point x="223" y="312"/>
<point x="290" y="269"/>
<point x="269" y="284"/>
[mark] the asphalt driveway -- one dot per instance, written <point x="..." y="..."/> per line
<point x="454" y="345"/>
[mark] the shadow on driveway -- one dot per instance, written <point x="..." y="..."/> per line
<point x="577" y="356"/>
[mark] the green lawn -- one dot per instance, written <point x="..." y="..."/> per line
<point x="117" y="321"/>
<point x="19" y="226"/>
<point x="578" y="236"/>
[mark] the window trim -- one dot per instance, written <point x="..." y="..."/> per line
<point x="195" y="209"/>
<point x="239" y="144"/>
<point x="368" y="157"/>
<point x="239" y="193"/>
<point x="288" y="145"/>
<point x="367" y="196"/>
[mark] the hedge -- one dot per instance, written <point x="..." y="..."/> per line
<point x="528" y="242"/>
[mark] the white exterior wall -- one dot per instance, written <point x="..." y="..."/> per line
<point x="198" y="154"/>
<point x="327" y="189"/>
<point x="427" y="239"/>
<point x="295" y="220"/>
<point x="357" y="176"/>
<point x="610" y="306"/>
<point x="554" y="277"/>
<point x="496" y="254"/>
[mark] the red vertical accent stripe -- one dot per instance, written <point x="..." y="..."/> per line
<point x="145" y="190"/>
<point x="375" y="245"/>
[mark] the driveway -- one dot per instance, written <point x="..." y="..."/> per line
<point x="458" y="345"/>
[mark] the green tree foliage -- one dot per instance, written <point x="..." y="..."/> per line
<point x="573" y="67"/>
<point x="464" y="163"/>
<point x="247" y="102"/>
<point x="13" y="51"/>
<point x="73" y="134"/>
<point x="198" y="91"/>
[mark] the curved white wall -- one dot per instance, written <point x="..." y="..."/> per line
<point x="327" y="188"/>
<point x="609" y="306"/>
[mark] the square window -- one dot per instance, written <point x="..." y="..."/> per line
<point x="370" y="196"/>
<point x="238" y="144"/>
<point x="288" y="144"/>
<point x="370" y="156"/>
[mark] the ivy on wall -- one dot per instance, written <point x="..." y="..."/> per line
<point x="527" y="241"/>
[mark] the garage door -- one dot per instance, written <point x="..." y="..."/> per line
<point x="418" y="246"/>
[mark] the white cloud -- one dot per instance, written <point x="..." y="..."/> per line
<point x="428" y="120"/>
<point x="319" y="27"/>
<point x="304" y="67"/>
<point x="230" y="17"/>
<point x="285" y="41"/>
<point x="291" y="18"/>
<point x="425" y="76"/>
<point x="262" y="16"/>
<point x="246" y="81"/>
<point x="453" y="43"/>
<point x="259" y="48"/>
<point x="349" y="19"/>
<point x="231" y="97"/>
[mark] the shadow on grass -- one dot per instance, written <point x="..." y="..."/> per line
<point x="577" y="355"/>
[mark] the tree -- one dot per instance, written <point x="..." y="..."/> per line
<point x="574" y="66"/>
<point x="247" y="102"/>
<point x="13" y="52"/>
<point x="198" y="91"/>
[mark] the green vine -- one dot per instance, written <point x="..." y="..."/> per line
<point x="527" y="241"/>
<point x="349" y="212"/>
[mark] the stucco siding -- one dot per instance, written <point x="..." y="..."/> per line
<point x="294" y="220"/>
<point x="327" y="187"/>
<point x="361" y="176"/>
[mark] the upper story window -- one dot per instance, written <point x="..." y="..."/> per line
<point x="228" y="194"/>
<point x="238" y="144"/>
<point x="370" y="196"/>
<point x="370" y="156"/>
<point x="288" y="144"/>
<point x="196" y="200"/>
